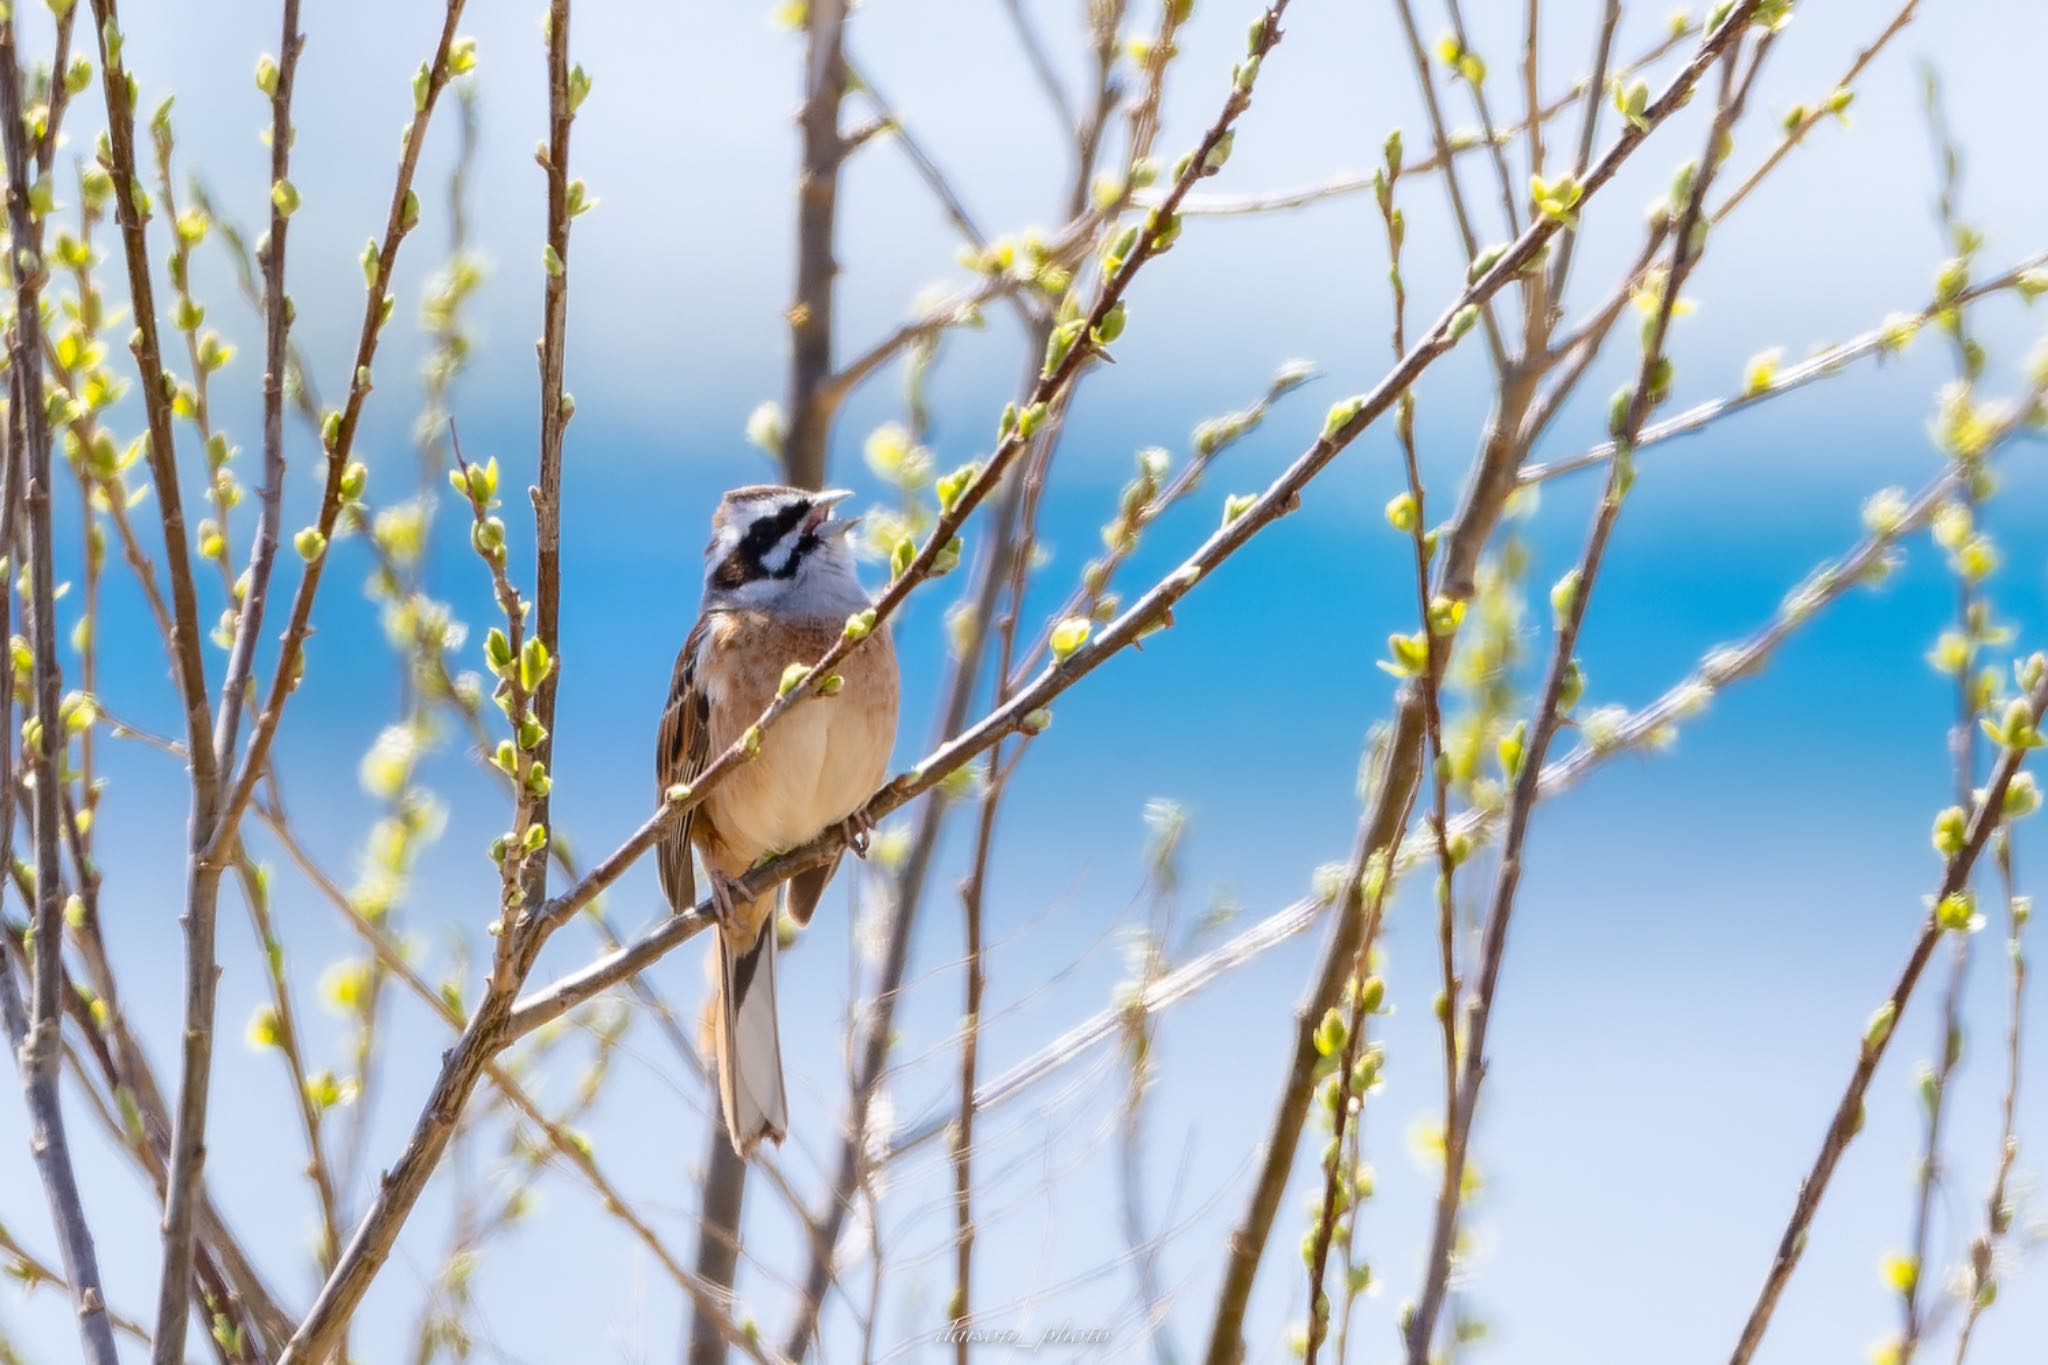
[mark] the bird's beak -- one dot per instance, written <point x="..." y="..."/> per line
<point x="820" y="521"/>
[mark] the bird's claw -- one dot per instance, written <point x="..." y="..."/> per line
<point x="857" y="829"/>
<point x="724" y="901"/>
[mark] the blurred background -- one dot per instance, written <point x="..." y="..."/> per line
<point x="1703" y="932"/>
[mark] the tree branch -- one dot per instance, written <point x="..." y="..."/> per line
<point x="811" y="400"/>
<point x="1420" y="1326"/>
<point x="1984" y="818"/>
<point x="276" y="328"/>
<point x="555" y="412"/>
<point x="34" y="1034"/>
<point x="1893" y="335"/>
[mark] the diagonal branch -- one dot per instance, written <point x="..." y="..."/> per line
<point x="1807" y="118"/>
<point x="1847" y="1119"/>
<point x="2026" y="277"/>
<point x="1985" y="816"/>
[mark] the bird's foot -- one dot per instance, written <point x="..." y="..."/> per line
<point x="856" y="829"/>
<point x="724" y="898"/>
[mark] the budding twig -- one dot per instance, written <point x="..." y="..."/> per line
<point x="31" y="1270"/>
<point x="556" y="408"/>
<point x="1891" y="522"/>
<point x="34" y="1035"/>
<point x="2026" y="277"/>
<point x="1527" y="761"/>
<point x="1593" y="91"/>
<point x="1211" y="438"/>
<point x="284" y="200"/>
<point x="1971" y="622"/>
<point x="1986" y="812"/>
<point x="188" y="1147"/>
<point x="1440" y="139"/>
<point x="1804" y="118"/>
<point x="1981" y="1286"/>
<point x="1986" y="815"/>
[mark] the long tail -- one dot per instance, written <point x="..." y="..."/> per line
<point x="750" y="1044"/>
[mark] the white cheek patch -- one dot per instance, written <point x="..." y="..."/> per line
<point x="777" y="560"/>
<point x="723" y="542"/>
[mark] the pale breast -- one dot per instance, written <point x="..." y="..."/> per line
<point x="822" y="759"/>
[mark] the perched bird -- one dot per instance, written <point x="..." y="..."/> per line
<point x="779" y="583"/>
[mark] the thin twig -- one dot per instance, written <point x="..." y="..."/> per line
<point x="256" y="893"/>
<point x="1972" y="611"/>
<point x="35" y="1035"/>
<point x="1338" y="1176"/>
<point x="400" y="218"/>
<point x="31" y="1270"/>
<point x="1987" y="812"/>
<point x="1041" y="64"/>
<point x="1986" y="816"/>
<point x="1589" y="127"/>
<point x="1592" y="92"/>
<point x="1981" y="1286"/>
<point x="555" y="412"/>
<point x="1891" y="336"/>
<point x="1211" y="439"/>
<point x="1440" y="140"/>
<point x="1495" y="143"/>
<point x="1420" y="1327"/>
<point x="1809" y="117"/>
<point x="276" y="326"/>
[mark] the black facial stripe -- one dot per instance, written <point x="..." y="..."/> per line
<point x="762" y="535"/>
<point x="747" y="560"/>
<point x="804" y="545"/>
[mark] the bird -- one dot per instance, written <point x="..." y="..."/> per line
<point x="780" y="585"/>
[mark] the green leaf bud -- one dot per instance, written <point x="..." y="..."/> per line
<point x="1068" y="636"/>
<point x="535" y="664"/>
<point x="1342" y="413"/>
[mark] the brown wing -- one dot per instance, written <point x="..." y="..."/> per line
<point x="681" y="749"/>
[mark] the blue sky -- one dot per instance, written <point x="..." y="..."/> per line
<point x="1700" y="936"/>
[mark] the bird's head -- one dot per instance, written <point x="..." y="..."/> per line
<point x="781" y="548"/>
